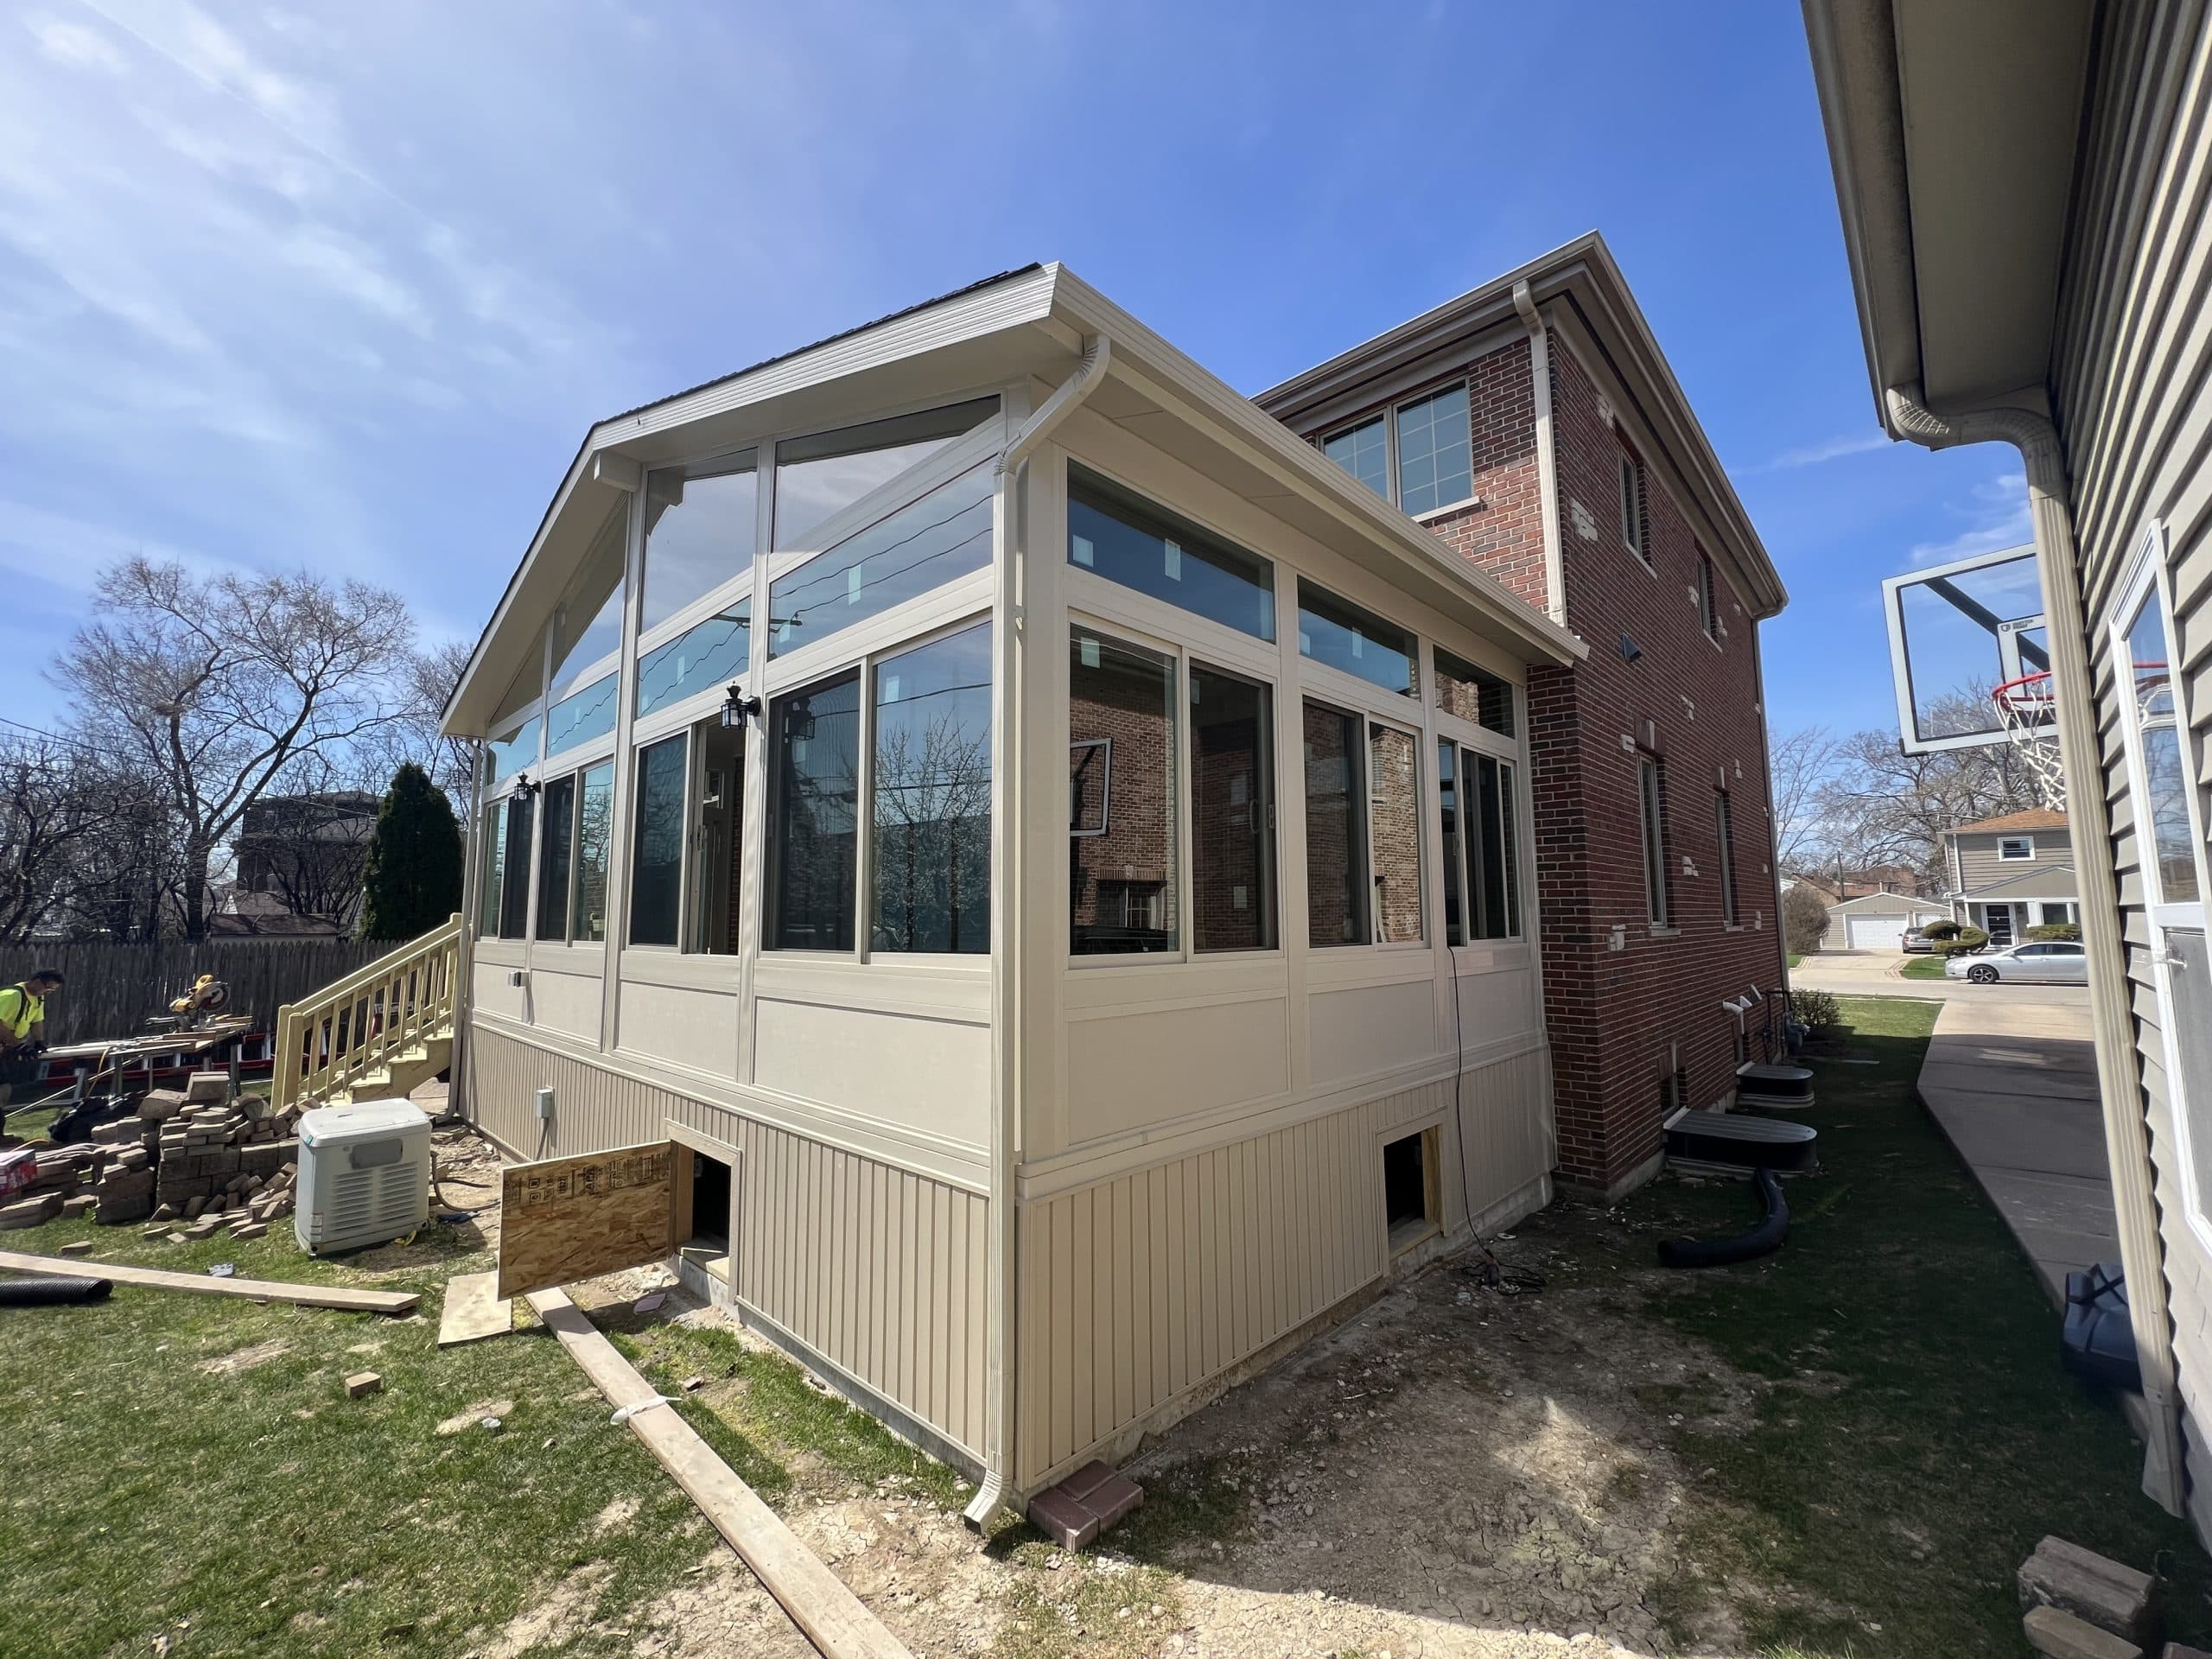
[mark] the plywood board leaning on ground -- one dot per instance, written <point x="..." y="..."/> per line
<point x="474" y="1309"/>
<point x="562" y="1220"/>
<point x="253" y="1290"/>
<point x="827" y="1612"/>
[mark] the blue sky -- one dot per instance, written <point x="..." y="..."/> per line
<point x="342" y="287"/>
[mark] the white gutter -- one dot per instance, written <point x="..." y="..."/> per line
<point x="1540" y="380"/>
<point x="1002" y="1348"/>
<point x="2128" y="1141"/>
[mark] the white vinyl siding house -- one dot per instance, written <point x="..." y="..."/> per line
<point x="2058" y="305"/>
<point x="1027" y="1125"/>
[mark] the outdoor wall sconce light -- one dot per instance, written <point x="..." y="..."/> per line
<point x="736" y="709"/>
<point x="524" y="788"/>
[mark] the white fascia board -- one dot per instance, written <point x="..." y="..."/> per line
<point x="1141" y="355"/>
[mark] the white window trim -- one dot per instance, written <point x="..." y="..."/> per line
<point x="2007" y="857"/>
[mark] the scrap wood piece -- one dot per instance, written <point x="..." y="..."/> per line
<point x="474" y="1309"/>
<point x="562" y="1220"/>
<point x="827" y="1613"/>
<point x="271" y="1290"/>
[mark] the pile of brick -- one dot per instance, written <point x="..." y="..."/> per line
<point x="2082" y="1605"/>
<point x="53" y="1189"/>
<point x="233" y="1162"/>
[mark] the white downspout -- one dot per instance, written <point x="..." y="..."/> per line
<point x="1540" y="380"/>
<point x="2128" y="1141"/>
<point x="1009" y="923"/>
<point x="458" y="1104"/>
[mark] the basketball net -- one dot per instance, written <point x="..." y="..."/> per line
<point x="2029" y="709"/>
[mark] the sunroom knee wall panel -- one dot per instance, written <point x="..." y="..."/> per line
<point x="1139" y="1289"/>
<point x="877" y="1269"/>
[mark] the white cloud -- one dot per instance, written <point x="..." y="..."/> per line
<point x="1833" y="449"/>
<point x="76" y="44"/>
<point x="1996" y="516"/>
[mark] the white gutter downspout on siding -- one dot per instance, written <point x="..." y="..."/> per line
<point x="458" y="1102"/>
<point x="1540" y="380"/>
<point x="1008" y="921"/>
<point x="2127" y="1140"/>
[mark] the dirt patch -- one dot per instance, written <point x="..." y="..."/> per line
<point x="558" y="1613"/>
<point x="245" y="1359"/>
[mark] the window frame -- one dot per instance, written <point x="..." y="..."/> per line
<point x="2150" y="585"/>
<point x="1459" y="873"/>
<point x="1255" y="661"/>
<point x="1651" y="823"/>
<point x="1634" y="517"/>
<point x="1708" y="596"/>
<point x="1724" y="815"/>
<point x="2026" y="856"/>
<point x="1388" y="415"/>
<point x="1369" y="718"/>
<point x="865" y="853"/>
<point x="700" y="606"/>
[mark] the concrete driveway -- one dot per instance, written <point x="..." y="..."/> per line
<point x="1877" y="973"/>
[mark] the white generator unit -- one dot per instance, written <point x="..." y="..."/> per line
<point x="365" y="1174"/>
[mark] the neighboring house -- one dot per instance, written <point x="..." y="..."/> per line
<point x="1057" y="852"/>
<point x="1877" y="921"/>
<point x="2011" y="873"/>
<point x="2022" y="189"/>
<point x="299" y="862"/>
<point x="1533" y="426"/>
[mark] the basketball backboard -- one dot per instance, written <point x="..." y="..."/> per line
<point x="1957" y="632"/>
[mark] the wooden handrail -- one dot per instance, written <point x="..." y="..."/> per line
<point x="351" y="1026"/>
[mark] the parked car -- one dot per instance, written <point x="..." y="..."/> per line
<point x="1916" y="940"/>
<point x="2055" y="962"/>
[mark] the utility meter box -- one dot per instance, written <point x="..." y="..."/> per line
<point x="365" y="1174"/>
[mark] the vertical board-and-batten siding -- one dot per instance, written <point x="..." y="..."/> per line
<point x="1139" y="1289"/>
<point x="877" y="1269"/>
<point x="2134" y="385"/>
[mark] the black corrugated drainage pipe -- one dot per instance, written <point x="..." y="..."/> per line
<point x="1762" y="1239"/>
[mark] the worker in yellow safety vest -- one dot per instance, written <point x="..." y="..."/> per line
<point x="23" y="1031"/>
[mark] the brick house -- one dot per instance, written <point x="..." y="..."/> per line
<point x="1533" y="426"/>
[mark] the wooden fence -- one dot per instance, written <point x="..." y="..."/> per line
<point x="113" y="988"/>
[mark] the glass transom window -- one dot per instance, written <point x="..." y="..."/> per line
<point x="820" y="476"/>
<point x="699" y="533"/>
<point x="1139" y="546"/>
<point x="924" y="545"/>
<point x="1473" y="694"/>
<point x="581" y="716"/>
<point x="711" y="653"/>
<point x="1340" y="635"/>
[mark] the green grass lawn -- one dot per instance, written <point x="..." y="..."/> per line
<point x="1927" y="967"/>
<point x="1796" y="956"/>
<point x="148" y="1485"/>
<point x="1918" y="1436"/>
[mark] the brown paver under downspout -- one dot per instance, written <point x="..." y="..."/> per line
<point x="2014" y="1087"/>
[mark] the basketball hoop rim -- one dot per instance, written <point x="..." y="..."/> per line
<point x="2030" y="693"/>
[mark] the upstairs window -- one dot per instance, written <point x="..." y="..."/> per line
<point x="1708" y="599"/>
<point x="1363" y="452"/>
<point x="1651" y="803"/>
<point x="700" y="531"/>
<point x="1140" y="546"/>
<point x="1341" y="635"/>
<point x="1631" y="481"/>
<point x="2014" y="849"/>
<point x="1724" y="813"/>
<point x="1435" y="467"/>
<point x="1420" y="455"/>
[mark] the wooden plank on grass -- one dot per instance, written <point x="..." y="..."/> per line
<point x="474" y="1309"/>
<point x="200" y="1284"/>
<point x="829" y="1615"/>
<point x="562" y="1220"/>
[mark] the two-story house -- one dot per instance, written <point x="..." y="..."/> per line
<point x="1533" y="425"/>
<point x="2011" y="873"/>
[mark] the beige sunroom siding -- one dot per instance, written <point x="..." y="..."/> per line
<point x="2134" y="353"/>
<point x="878" y="1270"/>
<point x="1139" y="1290"/>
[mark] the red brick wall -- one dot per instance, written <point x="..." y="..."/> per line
<point x="1614" y="1016"/>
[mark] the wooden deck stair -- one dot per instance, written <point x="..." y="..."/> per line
<point x="381" y="1031"/>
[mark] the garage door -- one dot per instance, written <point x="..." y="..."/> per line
<point x="1875" y="932"/>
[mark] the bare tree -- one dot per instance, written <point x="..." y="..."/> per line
<point x="1881" y="807"/>
<point x="1801" y="765"/>
<point x="223" y="682"/>
<point x="423" y="684"/>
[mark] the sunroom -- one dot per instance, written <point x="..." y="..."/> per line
<point x="1048" y="845"/>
